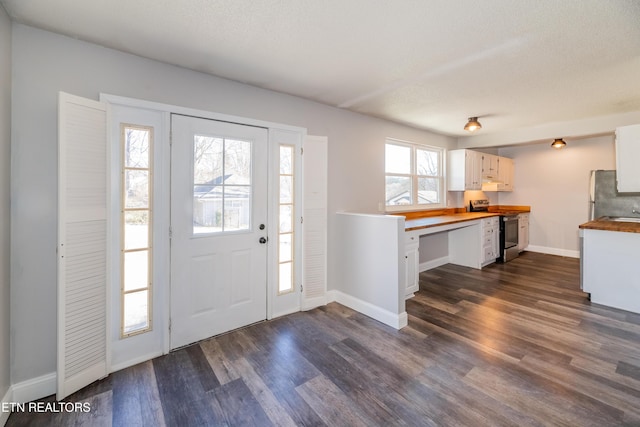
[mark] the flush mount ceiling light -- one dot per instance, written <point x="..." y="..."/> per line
<point x="558" y="143"/>
<point x="472" y="125"/>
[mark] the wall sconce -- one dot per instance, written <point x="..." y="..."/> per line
<point x="472" y="125"/>
<point x="558" y="143"/>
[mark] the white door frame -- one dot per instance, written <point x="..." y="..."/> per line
<point x="163" y="240"/>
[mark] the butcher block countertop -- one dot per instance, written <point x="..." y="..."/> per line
<point x="606" y="224"/>
<point x="434" y="218"/>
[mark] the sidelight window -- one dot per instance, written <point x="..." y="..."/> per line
<point x="136" y="220"/>
<point x="414" y="176"/>
<point x="286" y="228"/>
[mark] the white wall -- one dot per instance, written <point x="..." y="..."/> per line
<point x="555" y="183"/>
<point x="5" y="167"/>
<point x="45" y="63"/>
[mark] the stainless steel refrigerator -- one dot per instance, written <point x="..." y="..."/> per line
<point x="605" y="199"/>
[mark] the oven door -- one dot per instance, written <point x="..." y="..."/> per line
<point x="508" y="237"/>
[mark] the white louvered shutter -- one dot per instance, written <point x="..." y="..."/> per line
<point x="82" y="243"/>
<point x="314" y="280"/>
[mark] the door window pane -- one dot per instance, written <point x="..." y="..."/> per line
<point x="221" y="185"/>
<point x="136" y="148"/>
<point x="136" y="188"/>
<point x="136" y="270"/>
<point x="136" y="229"/>
<point x="285" y="219"/>
<point x="285" y="249"/>
<point x="285" y="283"/>
<point x="136" y="312"/>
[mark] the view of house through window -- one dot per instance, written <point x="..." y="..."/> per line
<point x="414" y="175"/>
<point x="221" y="185"/>
<point x="286" y="223"/>
<point x="136" y="223"/>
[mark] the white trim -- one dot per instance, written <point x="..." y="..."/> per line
<point x="397" y="321"/>
<point x="434" y="263"/>
<point x="186" y="111"/>
<point x="132" y="362"/>
<point x="6" y="400"/>
<point x="35" y="388"/>
<point x="553" y="251"/>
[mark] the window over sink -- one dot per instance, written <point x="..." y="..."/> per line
<point x="414" y="176"/>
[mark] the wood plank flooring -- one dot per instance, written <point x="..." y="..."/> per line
<point x="514" y="344"/>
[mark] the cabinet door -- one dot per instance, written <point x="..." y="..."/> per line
<point x="523" y="231"/>
<point x="489" y="167"/>
<point x="411" y="269"/>
<point x="505" y="173"/>
<point x="473" y="170"/>
<point x="627" y="155"/>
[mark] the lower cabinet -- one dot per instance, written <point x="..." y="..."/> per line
<point x="412" y="261"/>
<point x="490" y="229"/>
<point x="523" y="231"/>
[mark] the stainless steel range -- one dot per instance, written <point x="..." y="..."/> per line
<point x="508" y="230"/>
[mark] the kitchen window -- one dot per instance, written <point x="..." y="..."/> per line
<point x="414" y="176"/>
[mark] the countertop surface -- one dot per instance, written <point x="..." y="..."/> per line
<point x="435" y="221"/>
<point x="606" y="224"/>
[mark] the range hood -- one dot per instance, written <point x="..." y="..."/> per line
<point x="489" y="184"/>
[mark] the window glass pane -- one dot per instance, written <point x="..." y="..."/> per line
<point x="136" y="229"/>
<point x="427" y="163"/>
<point x="286" y="219"/>
<point x="428" y="190"/>
<point x="397" y="159"/>
<point x="285" y="282"/>
<point x="136" y="270"/>
<point x="136" y="311"/>
<point x="207" y="214"/>
<point x="398" y="190"/>
<point x="136" y="189"/>
<point x="237" y="208"/>
<point x="136" y="148"/>
<point x="286" y="160"/>
<point x="207" y="161"/>
<point x="237" y="162"/>
<point x="284" y="251"/>
<point x="286" y="189"/>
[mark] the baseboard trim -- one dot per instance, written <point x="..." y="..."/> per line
<point x="428" y="265"/>
<point x="553" y="251"/>
<point x="6" y="401"/>
<point x="397" y="321"/>
<point x="35" y="388"/>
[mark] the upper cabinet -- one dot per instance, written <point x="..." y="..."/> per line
<point x="505" y="174"/>
<point x="627" y="155"/>
<point x="489" y="167"/>
<point x="472" y="170"/>
<point x="464" y="171"/>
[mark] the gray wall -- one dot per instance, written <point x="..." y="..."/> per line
<point x="5" y="167"/>
<point x="555" y="183"/>
<point x="45" y="63"/>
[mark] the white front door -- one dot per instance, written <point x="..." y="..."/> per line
<point x="218" y="227"/>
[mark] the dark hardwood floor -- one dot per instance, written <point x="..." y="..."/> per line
<point x="514" y="344"/>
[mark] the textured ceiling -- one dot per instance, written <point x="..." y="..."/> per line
<point x="426" y="63"/>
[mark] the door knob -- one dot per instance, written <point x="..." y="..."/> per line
<point x="261" y="227"/>
<point x="263" y="240"/>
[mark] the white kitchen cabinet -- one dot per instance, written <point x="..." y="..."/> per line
<point x="465" y="170"/>
<point x="523" y="231"/>
<point x="627" y="155"/>
<point x="412" y="261"/>
<point x="489" y="167"/>
<point x="490" y="229"/>
<point x="505" y="174"/>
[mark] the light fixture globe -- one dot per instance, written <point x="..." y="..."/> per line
<point x="558" y="143"/>
<point x="472" y="125"/>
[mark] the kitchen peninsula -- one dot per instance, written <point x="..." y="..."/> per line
<point x="378" y="255"/>
<point x="610" y="264"/>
